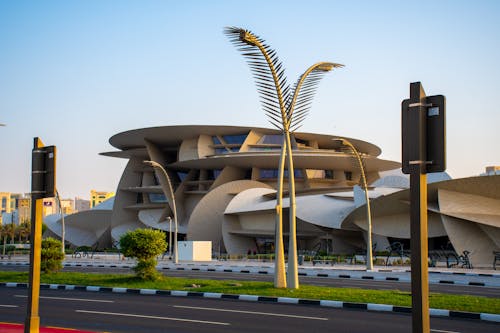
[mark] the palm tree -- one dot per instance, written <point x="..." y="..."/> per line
<point x="10" y="230"/>
<point x="279" y="102"/>
<point x="23" y="231"/>
<point x="3" y="235"/>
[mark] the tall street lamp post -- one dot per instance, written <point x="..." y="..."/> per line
<point x="63" y="229"/>
<point x="302" y="95"/>
<point x="171" y="201"/>
<point x="278" y="103"/>
<point x="169" y="237"/>
<point x="357" y="155"/>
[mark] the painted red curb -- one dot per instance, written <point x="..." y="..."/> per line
<point x="19" y="328"/>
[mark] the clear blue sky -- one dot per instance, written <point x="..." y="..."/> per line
<point x="74" y="73"/>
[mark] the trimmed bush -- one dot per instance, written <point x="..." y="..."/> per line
<point x="51" y="256"/>
<point x="144" y="245"/>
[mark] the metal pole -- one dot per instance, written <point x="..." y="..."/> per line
<point x="32" y="321"/>
<point x="169" y="237"/>
<point x="419" y="252"/>
<point x="369" y="254"/>
<point x="279" y="252"/>
<point x="293" y="274"/>
<point x="369" y="246"/>
<point x="418" y="215"/>
<point x="171" y="200"/>
<point x="63" y="231"/>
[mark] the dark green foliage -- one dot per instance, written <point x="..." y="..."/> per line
<point x="145" y="245"/>
<point x="146" y="270"/>
<point x="51" y="256"/>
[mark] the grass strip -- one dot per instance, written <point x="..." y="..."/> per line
<point x="393" y="297"/>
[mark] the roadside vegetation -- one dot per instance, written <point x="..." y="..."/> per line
<point x="393" y="297"/>
<point x="145" y="245"/>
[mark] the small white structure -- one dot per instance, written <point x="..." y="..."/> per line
<point x="195" y="250"/>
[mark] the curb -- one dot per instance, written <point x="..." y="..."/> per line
<point x="267" y="299"/>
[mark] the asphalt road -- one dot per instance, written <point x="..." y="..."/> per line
<point x="318" y="281"/>
<point x="116" y="313"/>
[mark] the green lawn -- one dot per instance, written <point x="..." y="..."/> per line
<point x="394" y="297"/>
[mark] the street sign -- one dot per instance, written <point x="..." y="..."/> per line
<point x="43" y="172"/>
<point x="423" y="131"/>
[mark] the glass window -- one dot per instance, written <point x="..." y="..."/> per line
<point x="268" y="173"/>
<point x="157" y="197"/>
<point x="329" y="174"/>
<point x="213" y="174"/>
<point x="300" y="141"/>
<point x="216" y="140"/>
<point x="235" y="139"/>
<point x="348" y="175"/>
<point x="181" y="175"/>
<point x="140" y="199"/>
<point x="272" y="139"/>
<point x="220" y="151"/>
<point x="273" y="173"/>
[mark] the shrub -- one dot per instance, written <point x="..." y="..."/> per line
<point x="52" y="256"/>
<point x="145" y="245"/>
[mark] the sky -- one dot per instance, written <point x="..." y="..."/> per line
<point x="75" y="73"/>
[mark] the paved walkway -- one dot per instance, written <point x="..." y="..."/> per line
<point x="479" y="277"/>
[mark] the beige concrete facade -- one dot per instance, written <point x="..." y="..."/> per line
<point x="224" y="181"/>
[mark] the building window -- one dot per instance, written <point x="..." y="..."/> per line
<point x="157" y="198"/>
<point x="220" y="151"/>
<point x="216" y="140"/>
<point x="329" y="174"/>
<point x="140" y="198"/>
<point x="213" y="174"/>
<point x="271" y="139"/>
<point x="273" y="173"/>
<point x="182" y="175"/>
<point x="268" y="173"/>
<point x="301" y="142"/>
<point x="348" y="175"/>
<point x="234" y="139"/>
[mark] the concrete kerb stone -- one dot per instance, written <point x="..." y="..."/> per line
<point x="287" y="300"/>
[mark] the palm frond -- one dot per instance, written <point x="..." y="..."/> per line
<point x="301" y="96"/>
<point x="267" y="71"/>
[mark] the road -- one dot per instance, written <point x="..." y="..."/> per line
<point x="318" y="281"/>
<point x="121" y="313"/>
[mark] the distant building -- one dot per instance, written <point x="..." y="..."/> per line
<point x="50" y="206"/>
<point x="81" y="204"/>
<point x="5" y="202"/>
<point x="492" y="170"/>
<point x="96" y="197"/>
<point x="24" y="209"/>
<point x="15" y="207"/>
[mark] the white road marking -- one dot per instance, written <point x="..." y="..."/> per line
<point x="71" y="299"/>
<point x="152" y="317"/>
<point x="250" y="312"/>
<point x="8" y="306"/>
<point x="442" y="331"/>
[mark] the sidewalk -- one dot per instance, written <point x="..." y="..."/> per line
<point x="19" y="328"/>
